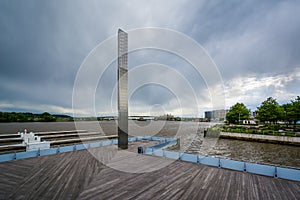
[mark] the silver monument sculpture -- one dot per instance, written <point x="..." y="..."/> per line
<point x="122" y="89"/>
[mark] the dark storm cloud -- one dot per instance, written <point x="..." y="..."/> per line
<point x="250" y="36"/>
<point x="43" y="44"/>
<point x="39" y="59"/>
<point x="42" y="47"/>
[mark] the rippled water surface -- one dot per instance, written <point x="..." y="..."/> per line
<point x="191" y="138"/>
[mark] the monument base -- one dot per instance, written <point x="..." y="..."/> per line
<point x="123" y="139"/>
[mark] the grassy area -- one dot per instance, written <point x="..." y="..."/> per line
<point x="213" y="131"/>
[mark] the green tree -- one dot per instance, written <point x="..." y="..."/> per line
<point x="47" y="117"/>
<point x="270" y="111"/>
<point x="12" y="117"/>
<point x="294" y="115"/>
<point x="296" y="108"/>
<point x="237" y="112"/>
<point x="288" y="113"/>
<point x="20" y="117"/>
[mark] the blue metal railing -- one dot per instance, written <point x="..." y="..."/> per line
<point x="74" y="147"/>
<point x="55" y="150"/>
<point x="261" y="169"/>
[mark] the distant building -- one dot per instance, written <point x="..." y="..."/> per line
<point x="207" y="114"/>
<point x="216" y="115"/>
<point x="253" y="115"/>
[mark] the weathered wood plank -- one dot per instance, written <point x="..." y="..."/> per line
<point x="80" y="175"/>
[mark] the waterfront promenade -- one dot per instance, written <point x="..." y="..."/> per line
<point x="262" y="138"/>
<point x="78" y="175"/>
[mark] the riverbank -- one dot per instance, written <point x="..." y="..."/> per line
<point x="262" y="138"/>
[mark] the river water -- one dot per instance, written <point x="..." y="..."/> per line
<point x="191" y="138"/>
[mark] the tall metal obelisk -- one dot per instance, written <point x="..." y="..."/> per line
<point x="122" y="89"/>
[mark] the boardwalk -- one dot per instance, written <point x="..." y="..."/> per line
<point x="78" y="175"/>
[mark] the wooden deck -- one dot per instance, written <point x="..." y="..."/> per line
<point x="79" y="175"/>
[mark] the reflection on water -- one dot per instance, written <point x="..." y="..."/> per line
<point x="191" y="137"/>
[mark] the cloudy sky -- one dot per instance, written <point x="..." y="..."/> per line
<point x="254" y="44"/>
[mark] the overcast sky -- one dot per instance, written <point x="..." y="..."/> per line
<point x="254" y="44"/>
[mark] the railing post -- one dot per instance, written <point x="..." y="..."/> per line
<point x="245" y="167"/>
<point x="275" y="172"/>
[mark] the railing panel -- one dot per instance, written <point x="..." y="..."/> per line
<point x="291" y="174"/>
<point x="162" y="139"/>
<point x="80" y="146"/>
<point x="94" y="144"/>
<point x="50" y="151"/>
<point x="232" y="164"/>
<point x="27" y="154"/>
<point x="66" y="149"/>
<point x="149" y="151"/>
<point x="171" y="154"/>
<point x="211" y="161"/>
<point x="106" y="142"/>
<point x="189" y="157"/>
<point x="115" y="141"/>
<point x="172" y="142"/>
<point x="132" y="139"/>
<point x="147" y="137"/>
<point x="163" y="145"/>
<point x="158" y="152"/>
<point x="159" y="146"/>
<point x="140" y="137"/>
<point x="7" y="157"/>
<point x="260" y="169"/>
<point x="170" y="139"/>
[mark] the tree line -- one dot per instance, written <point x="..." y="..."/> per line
<point x="30" y="117"/>
<point x="268" y="112"/>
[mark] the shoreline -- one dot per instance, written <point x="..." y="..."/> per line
<point x="286" y="140"/>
